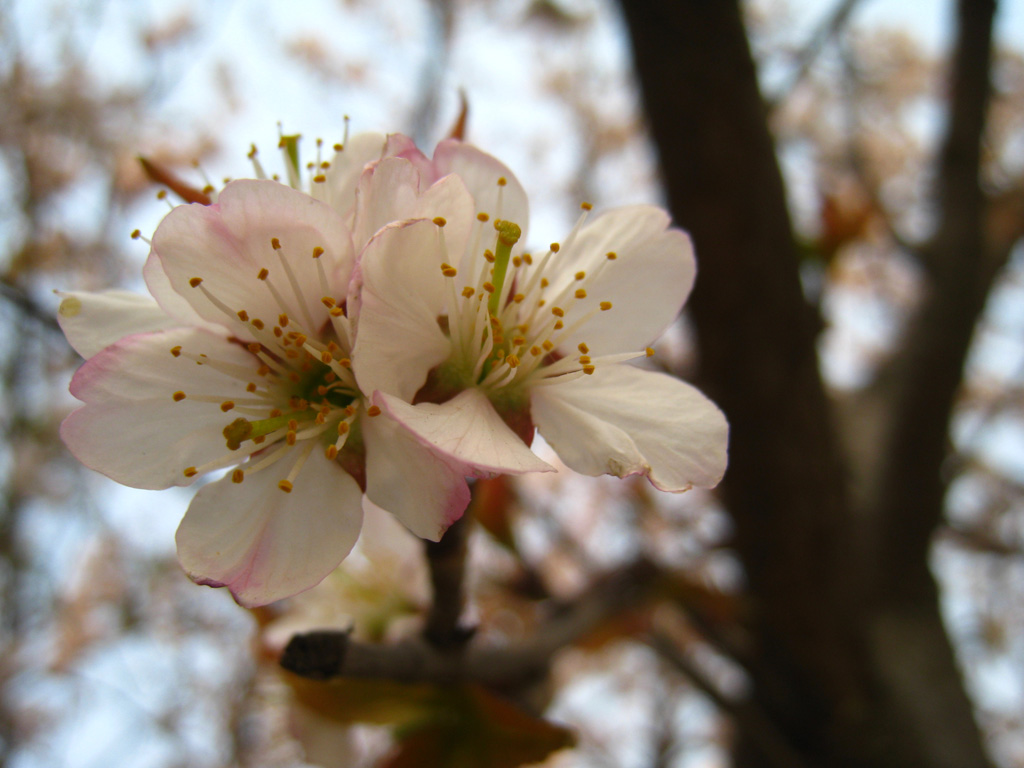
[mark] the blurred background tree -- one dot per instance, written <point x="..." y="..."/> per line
<point x="856" y="197"/>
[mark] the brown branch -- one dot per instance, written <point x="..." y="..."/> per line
<point x="327" y="655"/>
<point x="447" y="561"/>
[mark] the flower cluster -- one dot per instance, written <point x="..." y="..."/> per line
<point x="374" y="339"/>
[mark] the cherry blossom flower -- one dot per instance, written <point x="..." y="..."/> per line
<point x="470" y="343"/>
<point x="242" y="359"/>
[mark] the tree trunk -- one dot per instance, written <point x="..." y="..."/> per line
<point x="843" y="674"/>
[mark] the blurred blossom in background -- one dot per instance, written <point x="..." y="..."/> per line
<point x="109" y="656"/>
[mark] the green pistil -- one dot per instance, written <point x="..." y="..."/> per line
<point x="240" y="430"/>
<point x="508" y="235"/>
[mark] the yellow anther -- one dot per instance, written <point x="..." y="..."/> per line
<point x="278" y="332"/>
<point x="262" y="274"/>
<point x="259" y="439"/>
<point x="513" y="361"/>
<point x="555" y="247"/>
<point x="448" y="270"/>
<point x="468" y="292"/>
<point x="275" y="243"/>
<point x="605" y="306"/>
<point x="649" y="351"/>
<point x="136" y="234"/>
<point x="250" y="387"/>
<point x="502" y="181"/>
<point x="518" y="298"/>
<point x="300" y="340"/>
<point x="580" y="275"/>
<point x="282" y="319"/>
<point x="528" y="258"/>
<point x="195" y="282"/>
<point x="254" y="348"/>
<point x="479" y="217"/>
<point x="176" y="351"/>
<point x="517" y="261"/>
<point x="275" y="413"/>
<point x="489" y="287"/>
<point x="331" y="453"/>
<point x="440" y="221"/>
<point x="559" y="325"/>
<point x="285" y="486"/>
<point x="548" y="345"/>
<point x="489" y="256"/>
<point x="319" y="179"/>
<point x="290" y="438"/>
<point x="581" y="293"/>
<point x="345" y="362"/>
<point x="558" y="312"/>
<point x="191" y="471"/>
<point x="583" y="348"/>
<point x="337" y="312"/>
<point x="293" y="424"/>
<point x="237" y="476"/>
<point x="257" y="324"/>
<point x="325" y="357"/>
<point x="544" y="282"/>
<point x="373" y="410"/>
<point x="328" y="302"/>
<point x="178" y="396"/>
<point x="586" y="206"/>
<point x="518" y="341"/>
<point x="226" y="406"/>
<point x="611" y="255"/>
<point x="589" y="370"/>
<point x="339" y="147"/>
<point x="318" y="252"/>
<point x="535" y="350"/>
<point x="584" y="359"/>
<point x="342" y="427"/>
<point x="243" y="315"/>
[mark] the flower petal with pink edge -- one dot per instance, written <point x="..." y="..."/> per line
<point x="398" y="339"/>
<point x="346" y="167"/>
<point x="229" y="243"/>
<point x="92" y="321"/>
<point x="646" y="283"/>
<point x="422" y="489"/>
<point x="626" y="421"/>
<point x="468" y="430"/>
<point x="264" y="544"/>
<point x="131" y="427"/>
<point x="170" y="301"/>
<point x="481" y="172"/>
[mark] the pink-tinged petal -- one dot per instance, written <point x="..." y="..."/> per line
<point x="146" y="443"/>
<point x="422" y="489"/>
<point x="228" y="244"/>
<point x="398" y="339"/>
<point x="646" y="283"/>
<point x="132" y="429"/>
<point x="389" y="191"/>
<point x="142" y="367"/>
<point x="92" y="321"/>
<point x="170" y="301"/>
<point x="264" y="544"/>
<point x="467" y="430"/>
<point x="626" y="421"/>
<point x="481" y="171"/>
<point x="346" y="168"/>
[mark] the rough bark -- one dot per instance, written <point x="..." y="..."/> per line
<point x="831" y="652"/>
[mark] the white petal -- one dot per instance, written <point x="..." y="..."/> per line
<point x="227" y="245"/>
<point x="647" y="283"/>
<point x="468" y="430"/>
<point x="92" y="321"/>
<point x="131" y="429"/>
<point x="264" y="544"/>
<point x="346" y="168"/>
<point x="142" y="367"/>
<point x="170" y="300"/>
<point x="398" y="339"/>
<point x="422" y="489"/>
<point x="145" y="443"/>
<point x="625" y="421"/>
<point x="481" y="172"/>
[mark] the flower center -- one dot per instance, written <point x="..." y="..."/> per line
<point x="303" y="393"/>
